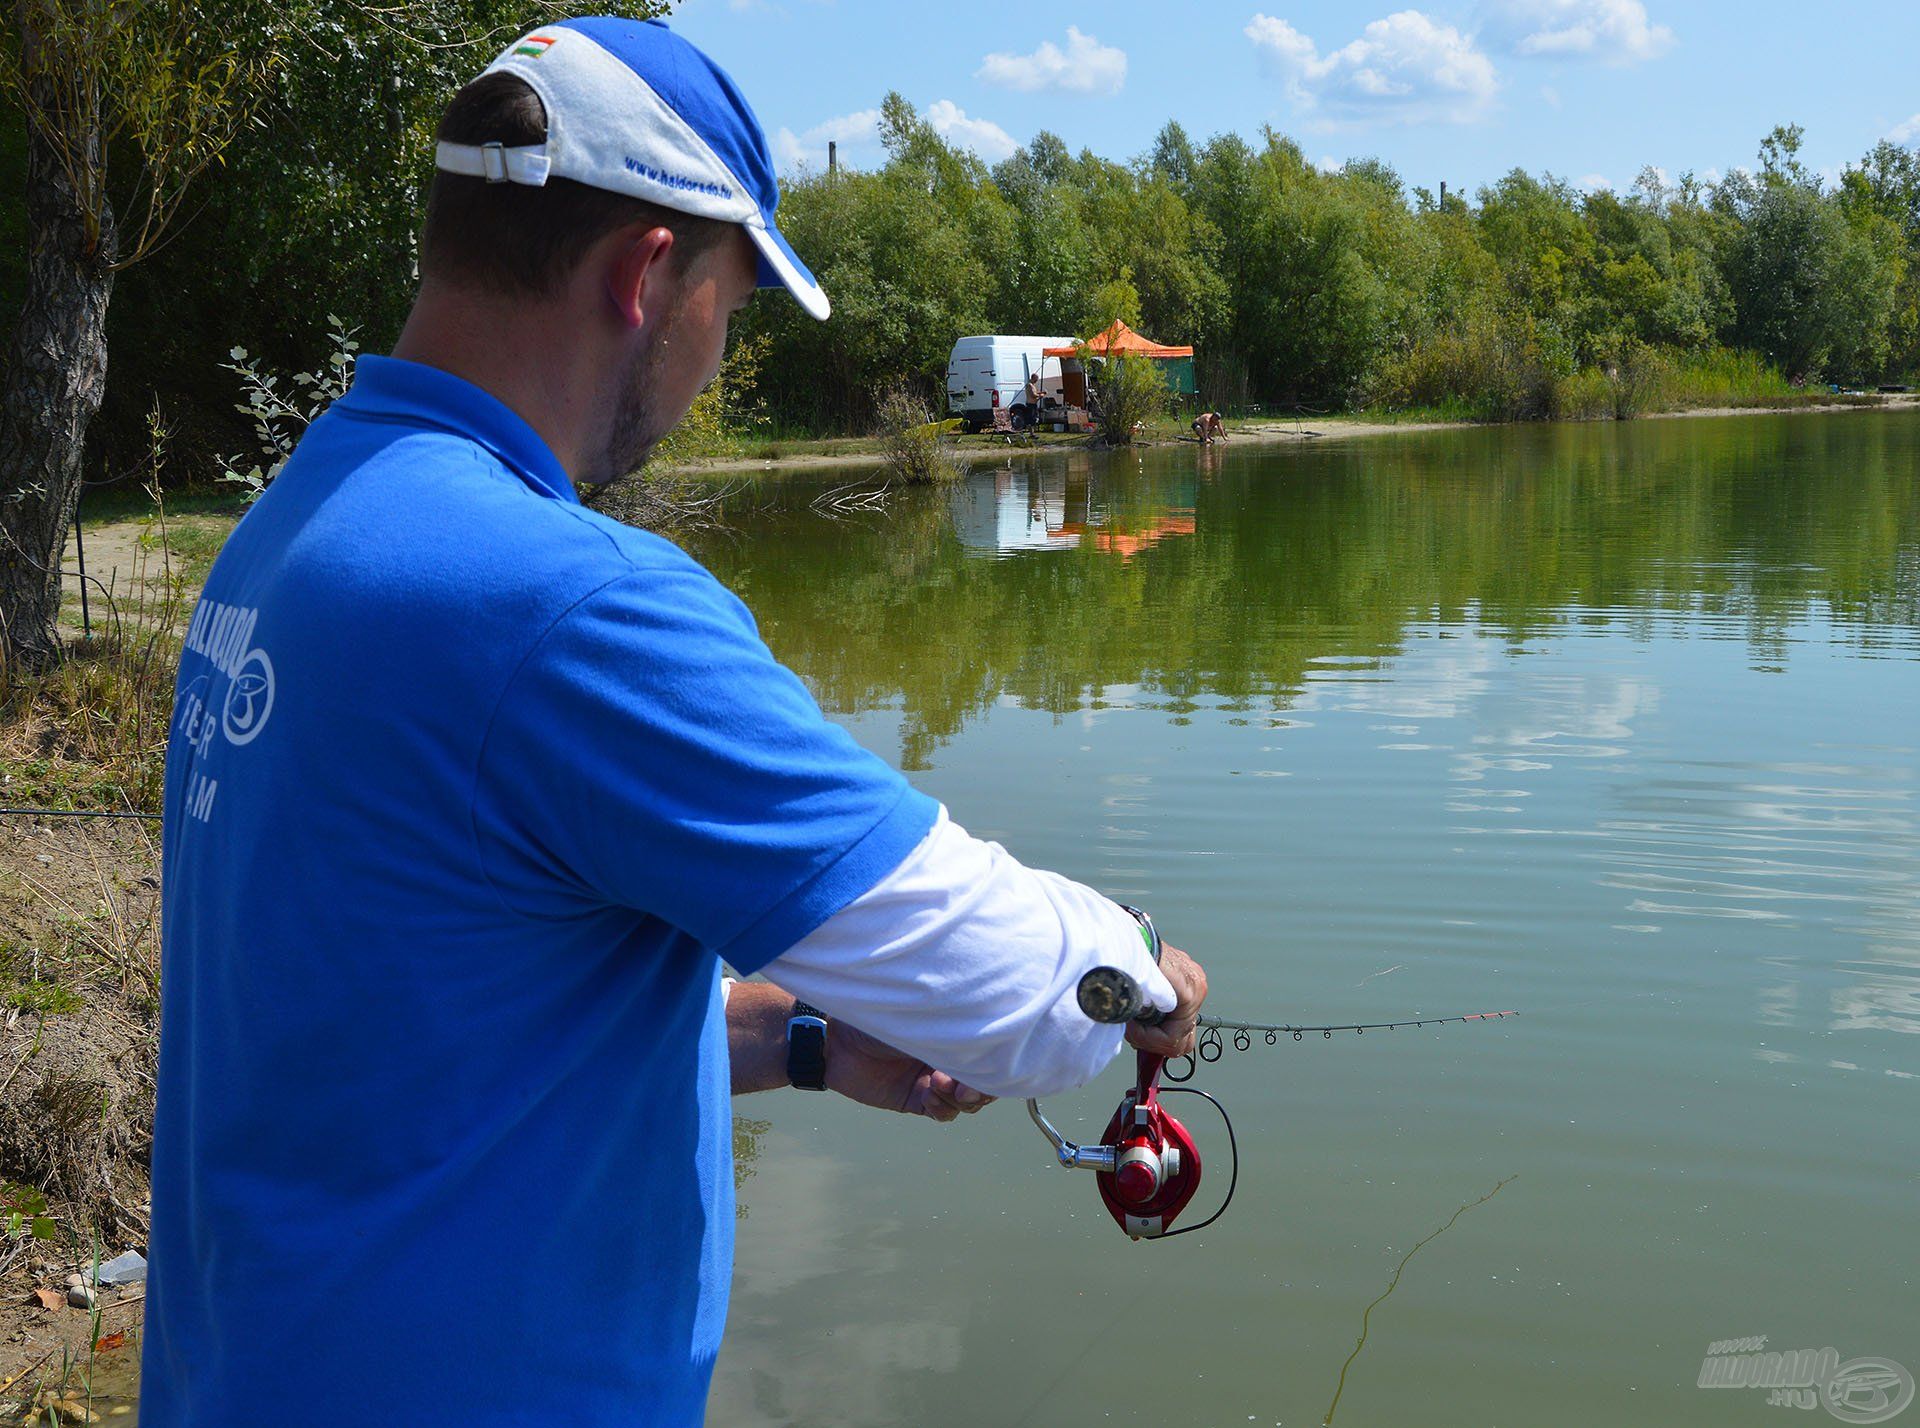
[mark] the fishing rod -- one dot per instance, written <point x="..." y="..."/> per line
<point x="1146" y="1162"/>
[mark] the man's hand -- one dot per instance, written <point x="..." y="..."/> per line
<point x="1174" y="1035"/>
<point x="865" y="1069"/>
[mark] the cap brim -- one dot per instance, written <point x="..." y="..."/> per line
<point x="780" y="266"/>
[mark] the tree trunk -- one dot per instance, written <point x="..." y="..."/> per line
<point x="55" y="375"/>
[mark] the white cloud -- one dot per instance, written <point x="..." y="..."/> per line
<point x="1330" y="165"/>
<point x="983" y="136"/>
<point x="1596" y="181"/>
<point x="858" y="135"/>
<point x="1904" y="133"/>
<point x="1611" y="31"/>
<point x="1405" y="68"/>
<point x="1085" y="67"/>
<point x="1551" y="95"/>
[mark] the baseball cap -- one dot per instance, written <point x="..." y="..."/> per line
<point x="632" y="108"/>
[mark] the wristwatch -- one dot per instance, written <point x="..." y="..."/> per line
<point x="807" y="1047"/>
<point x="1148" y="932"/>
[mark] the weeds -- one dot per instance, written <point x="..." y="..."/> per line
<point x="1497" y="367"/>
<point x="92" y="730"/>
<point x="910" y="440"/>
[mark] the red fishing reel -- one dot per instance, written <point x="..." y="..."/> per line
<point x="1147" y="1164"/>
<point x="1156" y="1164"/>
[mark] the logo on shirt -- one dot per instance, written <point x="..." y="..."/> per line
<point x="223" y="635"/>
<point x="249" y="699"/>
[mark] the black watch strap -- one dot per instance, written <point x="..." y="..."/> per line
<point x="807" y="1047"/>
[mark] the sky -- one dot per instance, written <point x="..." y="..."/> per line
<point x="1592" y="91"/>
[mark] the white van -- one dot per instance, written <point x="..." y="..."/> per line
<point x="980" y="367"/>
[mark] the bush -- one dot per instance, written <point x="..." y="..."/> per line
<point x="1132" y="393"/>
<point x="1499" y="365"/>
<point x="910" y="439"/>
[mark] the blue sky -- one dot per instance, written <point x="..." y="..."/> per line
<point x="1591" y="90"/>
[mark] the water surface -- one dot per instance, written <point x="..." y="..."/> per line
<point x="1617" y="725"/>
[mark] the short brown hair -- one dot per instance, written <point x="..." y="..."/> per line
<point x="516" y="239"/>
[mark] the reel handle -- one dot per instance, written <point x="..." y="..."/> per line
<point x="1110" y="996"/>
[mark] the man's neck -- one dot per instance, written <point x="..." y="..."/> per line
<point x="516" y="352"/>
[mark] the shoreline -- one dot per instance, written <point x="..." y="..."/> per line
<point x="1265" y="433"/>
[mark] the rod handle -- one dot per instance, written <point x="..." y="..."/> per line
<point x="1111" y="996"/>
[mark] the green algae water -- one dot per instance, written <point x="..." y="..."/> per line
<point x="1616" y="725"/>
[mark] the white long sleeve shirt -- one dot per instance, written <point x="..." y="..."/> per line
<point x="968" y="959"/>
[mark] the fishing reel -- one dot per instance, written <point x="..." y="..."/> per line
<point x="1146" y="1163"/>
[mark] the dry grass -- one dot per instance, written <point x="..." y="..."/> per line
<point x="92" y="731"/>
<point x="79" y="914"/>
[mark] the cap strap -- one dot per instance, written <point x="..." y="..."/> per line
<point x="495" y="162"/>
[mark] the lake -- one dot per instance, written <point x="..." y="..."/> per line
<point x="1618" y="725"/>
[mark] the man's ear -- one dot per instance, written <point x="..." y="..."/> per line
<point x="637" y="279"/>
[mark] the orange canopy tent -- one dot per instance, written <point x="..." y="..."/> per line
<point x="1175" y="363"/>
<point x="1121" y="338"/>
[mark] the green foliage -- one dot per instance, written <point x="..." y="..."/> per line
<point x="26" y="1214"/>
<point x="163" y="82"/>
<point x="314" y="208"/>
<point x="281" y="411"/>
<point x="1131" y="394"/>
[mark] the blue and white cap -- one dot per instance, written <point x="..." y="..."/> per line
<point x="635" y="109"/>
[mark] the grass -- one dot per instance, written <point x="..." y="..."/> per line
<point x="129" y="501"/>
<point x="92" y="731"/>
<point x="42" y="998"/>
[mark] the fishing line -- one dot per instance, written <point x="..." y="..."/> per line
<point x="1233" y="1177"/>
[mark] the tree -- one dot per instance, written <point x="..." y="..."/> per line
<point x="98" y="82"/>
<point x="1812" y="282"/>
<point x="1172" y="157"/>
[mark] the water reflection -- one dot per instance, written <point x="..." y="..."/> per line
<point x="1250" y="577"/>
<point x="1036" y="506"/>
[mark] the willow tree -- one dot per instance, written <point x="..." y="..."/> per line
<point x="126" y="103"/>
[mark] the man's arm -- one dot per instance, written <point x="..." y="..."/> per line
<point x="969" y="960"/>
<point x="858" y="1066"/>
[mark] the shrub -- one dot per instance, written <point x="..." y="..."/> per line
<point x="910" y="439"/>
<point x="1502" y="366"/>
<point x="1132" y="393"/>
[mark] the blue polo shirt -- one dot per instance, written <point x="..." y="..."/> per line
<point x="469" y="791"/>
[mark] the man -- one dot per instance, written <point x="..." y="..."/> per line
<point x="471" y="790"/>
<point x="1209" y="428"/>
